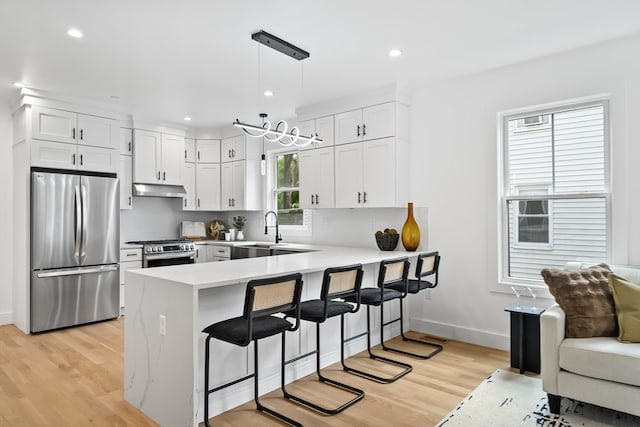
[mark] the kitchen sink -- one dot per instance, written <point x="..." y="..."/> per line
<point x="255" y="250"/>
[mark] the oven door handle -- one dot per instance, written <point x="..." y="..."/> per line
<point x="189" y="254"/>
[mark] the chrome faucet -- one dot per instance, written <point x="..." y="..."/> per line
<point x="278" y="236"/>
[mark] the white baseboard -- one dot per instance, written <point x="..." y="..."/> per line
<point x="461" y="333"/>
<point x="6" y="318"/>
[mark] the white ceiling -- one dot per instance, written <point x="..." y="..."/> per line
<point x="166" y="59"/>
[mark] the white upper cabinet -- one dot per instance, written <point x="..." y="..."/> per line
<point x="233" y="148"/>
<point x="371" y="174"/>
<point x="374" y="122"/>
<point x="73" y="128"/>
<point x="323" y="127"/>
<point x="171" y="159"/>
<point x="126" y="141"/>
<point x="146" y="154"/>
<point x="317" y="178"/>
<point x="125" y="176"/>
<point x="189" y="182"/>
<point x="208" y="151"/>
<point x="208" y="186"/>
<point x="157" y="158"/>
<point x="189" y="150"/>
<point x="241" y="187"/>
<point x="69" y="140"/>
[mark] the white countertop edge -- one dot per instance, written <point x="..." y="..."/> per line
<point x="216" y="274"/>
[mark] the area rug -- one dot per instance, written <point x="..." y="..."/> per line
<point x="510" y="400"/>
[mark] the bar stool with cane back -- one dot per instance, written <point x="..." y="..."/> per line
<point x="426" y="265"/>
<point x="263" y="298"/>
<point x="338" y="283"/>
<point x="392" y="272"/>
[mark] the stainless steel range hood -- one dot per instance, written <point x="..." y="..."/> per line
<point x="159" y="190"/>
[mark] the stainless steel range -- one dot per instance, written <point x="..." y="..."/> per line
<point x="158" y="253"/>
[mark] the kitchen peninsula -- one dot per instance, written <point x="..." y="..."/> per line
<point x="167" y="308"/>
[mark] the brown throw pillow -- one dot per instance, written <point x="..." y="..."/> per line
<point x="586" y="300"/>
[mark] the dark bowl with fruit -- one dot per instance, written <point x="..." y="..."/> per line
<point x="387" y="240"/>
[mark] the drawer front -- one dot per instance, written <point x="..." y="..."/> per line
<point x="222" y="251"/>
<point x="130" y="254"/>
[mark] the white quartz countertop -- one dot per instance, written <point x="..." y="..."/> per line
<point x="215" y="274"/>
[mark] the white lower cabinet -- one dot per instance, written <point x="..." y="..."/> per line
<point x="129" y="258"/>
<point x="371" y="174"/>
<point x="208" y="252"/>
<point x="317" y="178"/>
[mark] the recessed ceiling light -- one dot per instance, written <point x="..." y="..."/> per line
<point x="268" y="93"/>
<point x="394" y="53"/>
<point x="187" y="119"/>
<point x="19" y="84"/>
<point x="75" y="33"/>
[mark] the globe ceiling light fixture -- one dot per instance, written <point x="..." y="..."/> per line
<point x="280" y="132"/>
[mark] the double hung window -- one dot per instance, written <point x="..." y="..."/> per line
<point x="555" y="199"/>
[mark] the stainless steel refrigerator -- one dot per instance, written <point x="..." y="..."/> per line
<point x="75" y="232"/>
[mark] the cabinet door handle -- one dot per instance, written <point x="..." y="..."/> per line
<point x="317" y="199"/>
<point x="185" y="154"/>
<point x="129" y="146"/>
<point x="229" y="203"/>
<point x="312" y="199"/>
<point x="81" y="162"/>
<point x="230" y="153"/>
<point x="358" y="134"/>
<point x="73" y="159"/>
<point x="73" y="133"/>
<point x="185" y="203"/>
<point x="129" y="205"/>
<point x="364" y="200"/>
<point x="158" y="175"/>
<point x="359" y="198"/>
<point x="198" y="202"/>
<point x="198" y="155"/>
<point x="364" y="129"/>
<point x="81" y="134"/>
<point x="164" y="176"/>
<point x="233" y="153"/>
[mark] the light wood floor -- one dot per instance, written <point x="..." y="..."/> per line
<point x="74" y="377"/>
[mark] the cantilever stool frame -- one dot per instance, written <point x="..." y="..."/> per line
<point x="393" y="271"/>
<point x="338" y="283"/>
<point x="263" y="298"/>
<point x="430" y="260"/>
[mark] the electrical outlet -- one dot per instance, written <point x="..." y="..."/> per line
<point x="163" y="324"/>
<point x="427" y="294"/>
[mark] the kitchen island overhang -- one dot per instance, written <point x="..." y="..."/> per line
<point x="167" y="308"/>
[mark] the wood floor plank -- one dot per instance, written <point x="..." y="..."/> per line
<point x="74" y="377"/>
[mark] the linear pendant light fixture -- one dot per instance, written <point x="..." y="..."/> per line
<point x="279" y="132"/>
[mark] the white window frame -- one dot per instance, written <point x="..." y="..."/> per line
<point x="306" y="228"/>
<point x="504" y="197"/>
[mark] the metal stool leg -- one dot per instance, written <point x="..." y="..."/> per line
<point x="438" y="348"/>
<point x="327" y="411"/>
<point x="406" y="367"/>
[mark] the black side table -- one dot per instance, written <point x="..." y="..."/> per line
<point x="525" y="337"/>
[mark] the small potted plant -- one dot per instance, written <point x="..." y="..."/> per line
<point x="238" y="223"/>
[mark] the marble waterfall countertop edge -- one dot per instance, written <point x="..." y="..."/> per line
<point x="216" y="274"/>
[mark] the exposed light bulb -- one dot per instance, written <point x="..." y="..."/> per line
<point x="75" y="33"/>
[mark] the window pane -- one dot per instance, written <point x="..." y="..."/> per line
<point x="533" y="207"/>
<point x="578" y="232"/>
<point x="533" y="229"/>
<point x="289" y="212"/>
<point x="287" y="176"/>
<point x="529" y="157"/>
<point x="579" y="150"/>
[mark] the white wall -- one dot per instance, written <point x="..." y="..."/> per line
<point x="6" y="195"/>
<point x="454" y="170"/>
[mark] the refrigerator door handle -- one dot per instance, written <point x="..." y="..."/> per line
<point x="83" y="250"/>
<point x="77" y="271"/>
<point x="78" y="223"/>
